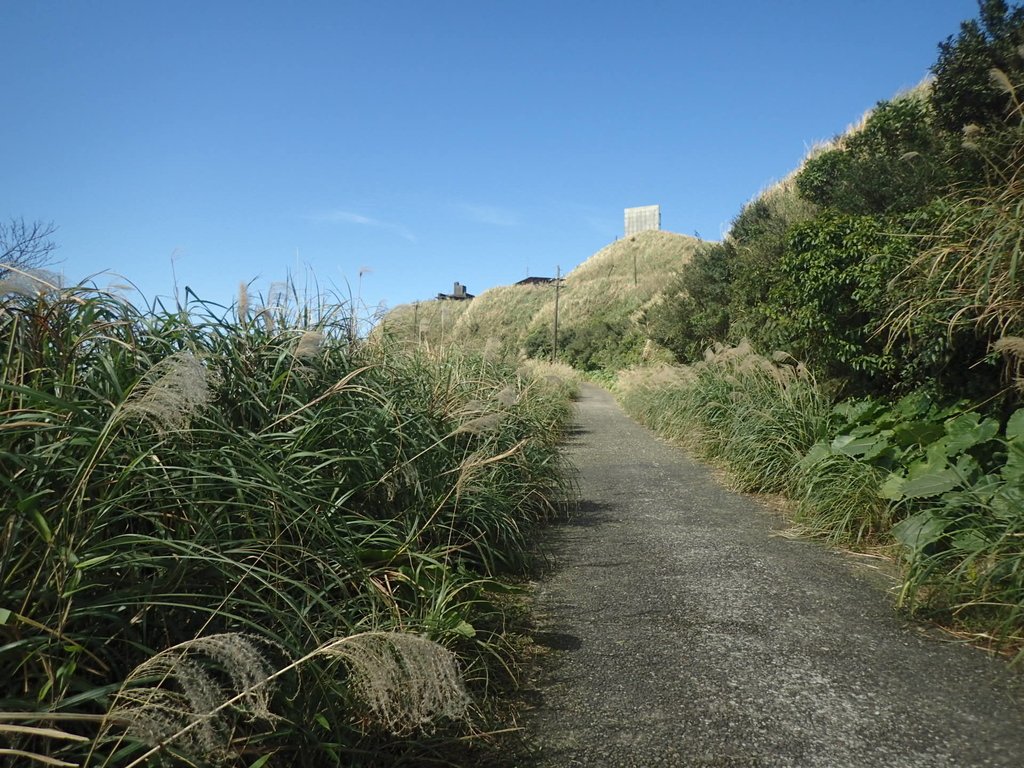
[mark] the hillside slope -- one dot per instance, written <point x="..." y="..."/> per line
<point x="496" y="321"/>
<point x="423" y="322"/>
<point x="599" y="323"/>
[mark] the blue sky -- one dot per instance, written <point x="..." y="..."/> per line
<point x="419" y="142"/>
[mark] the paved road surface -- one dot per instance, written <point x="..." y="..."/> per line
<point x="686" y="634"/>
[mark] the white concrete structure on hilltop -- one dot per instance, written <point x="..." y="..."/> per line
<point x="642" y="218"/>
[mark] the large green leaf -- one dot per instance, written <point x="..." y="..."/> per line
<point x="856" y="411"/>
<point x="1015" y="426"/>
<point x="971" y="541"/>
<point x="909" y="433"/>
<point x="932" y="483"/>
<point x="1013" y="471"/>
<point x="912" y="406"/>
<point x="818" y="452"/>
<point x="892" y="488"/>
<point x="968" y="430"/>
<point x="1008" y="505"/>
<point x="918" y="531"/>
<point x="861" y="445"/>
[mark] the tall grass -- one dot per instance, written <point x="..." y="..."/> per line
<point x="168" y="475"/>
<point x="969" y="272"/>
<point x="769" y="423"/>
<point x="755" y="416"/>
<point x="495" y="322"/>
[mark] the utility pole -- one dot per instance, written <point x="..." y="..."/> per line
<point x="554" y="341"/>
<point x="416" y="322"/>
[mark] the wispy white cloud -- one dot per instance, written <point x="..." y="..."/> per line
<point x="350" y="217"/>
<point x="489" y="214"/>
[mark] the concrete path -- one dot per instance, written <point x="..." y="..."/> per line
<point x="686" y="634"/>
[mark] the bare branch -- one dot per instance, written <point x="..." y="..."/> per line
<point x="25" y="246"/>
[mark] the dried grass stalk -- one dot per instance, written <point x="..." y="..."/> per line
<point x="172" y="393"/>
<point x="405" y="682"/>
<point x="176" y="698"/>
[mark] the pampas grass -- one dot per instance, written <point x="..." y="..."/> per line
<point x="173" y="702"/>
<point x="172" y="393"/>
<point x="1012" y="350"/>
<point x="755" y="416"/>
<point x="403" y="682"/>
<point x="190" y="494"/>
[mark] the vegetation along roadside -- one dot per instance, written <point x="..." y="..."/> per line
<point x="855" y="341"/>
<point x="242" y="537"/>
<point x="888" y="269"/>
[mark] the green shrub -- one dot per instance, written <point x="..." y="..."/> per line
<point x="831" y="292"/>
<point x="963" y="92"/>
<point x="962" y="540"/>
<point x="758" y="239"/>
<point x="896" y="162"/>
<point x="694" y="310"/>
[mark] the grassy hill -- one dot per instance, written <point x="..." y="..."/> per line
<point x="428" y="323"/>
<point x="496" y="321"/>
<point x="599" y="322"/>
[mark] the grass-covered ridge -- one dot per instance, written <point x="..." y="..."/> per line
<point x="602" y="323"/>
<point x="427" y="324"/>
<point x="232" y="537"/>
<point x="495" y="322"/>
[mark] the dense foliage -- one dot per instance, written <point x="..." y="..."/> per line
<point x="222" y="536"/>
<point x="964" y="92"/>
<point x="890" y="264"/>
<point x="889" y="261"/>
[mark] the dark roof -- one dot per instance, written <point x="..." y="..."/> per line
<point x="454" y="297"/>
<point x="536" y="281"/>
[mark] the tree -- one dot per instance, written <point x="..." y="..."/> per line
<point x="896" y="162"/>
<point x="25" y="247"/>
<point x="695" y="311"/>
<point x="963" y="91"/>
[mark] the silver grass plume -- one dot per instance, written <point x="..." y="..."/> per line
<point x="1010" y="346"/>
<point x="242" y="308"/>
<point x="405" y="682"/>
<point x="507" y="397"/>
<point x="972" y="132"/>
<point x="309" y="345"/>
<point x="29" y="282"/>
<point x="492" y="349"/>
<point x="1012" y="349"/>
<point x="481" y="424"/>
<point x="173" y="392"/>
<point x="268" y="319"/>
<point x="1001" y="80"/>
<point x="184" y="707"/>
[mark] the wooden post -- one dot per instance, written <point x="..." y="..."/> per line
<point x="554" y="341"/>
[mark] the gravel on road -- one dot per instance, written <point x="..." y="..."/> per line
<point x="686" y="632"/>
